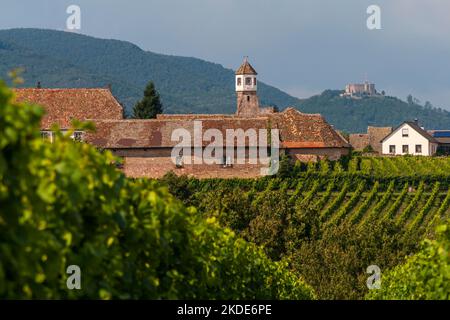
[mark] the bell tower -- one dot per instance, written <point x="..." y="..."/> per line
<point x="246" y="86"/>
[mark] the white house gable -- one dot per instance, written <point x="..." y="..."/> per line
<point x="408" y="140"/>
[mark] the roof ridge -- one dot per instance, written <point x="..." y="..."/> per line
<point x="246" y="68"/>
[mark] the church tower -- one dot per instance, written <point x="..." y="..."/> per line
<point x="246" y="86"/>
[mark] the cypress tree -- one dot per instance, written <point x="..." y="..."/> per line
<point x="150" y="105"/>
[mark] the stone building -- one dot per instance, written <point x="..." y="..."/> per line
<point x="147" y="146"/>
<point x="373" y="137"/>
<point x="360" y="90"/>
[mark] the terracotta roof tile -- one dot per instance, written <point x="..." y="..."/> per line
<point x="300" y="130"/>
<point x="63" y="105"/>
<point x="297" y="130"/>
<point x="246" y="68"/>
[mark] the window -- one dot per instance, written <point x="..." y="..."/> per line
<point x="239" y="81"/>
<point x="248" y="98"/>
<point x="248" y="81"/>
<point x="227" y="162"/>
<point x="405" y="132"/>
<point x="77" y="136"/>
<point x="179" y="161"/>
<point x="119" y="164"/>
<point x="392" y="149"/>
<point x="405" y="148"/>
<point x="47" y="135"/>
<point x="418" y="148"/>
<point x="254" y="81"/>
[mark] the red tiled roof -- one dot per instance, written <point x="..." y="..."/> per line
<point x="300" y="130"/>
<point x="158" y="133"/>
<point x="63" y="105"/>
<point x="246" y="68"/>
<point x="297" y="130"/>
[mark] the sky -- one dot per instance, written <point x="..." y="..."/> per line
<point x="300" y="46"/>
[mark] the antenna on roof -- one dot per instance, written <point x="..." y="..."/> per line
<point x="38" y="85"/>
<point x="245" y="59"/>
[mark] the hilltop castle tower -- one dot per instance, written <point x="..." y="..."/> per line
<point x="246" y="86"/>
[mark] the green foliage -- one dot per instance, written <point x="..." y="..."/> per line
<point x="368" y="149"/>
<point x="150" y="105"/>
<point x="64" y="203"/>
<point x="401" y="219"/>
<point x="355" y="218"/>
<point x="425" y="275"/>
<point x="354" y="115"/>
<point x="426" y="208"/>
<point x="330" y="227"/>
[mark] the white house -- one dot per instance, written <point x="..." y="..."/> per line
<point x="409" y="138"/>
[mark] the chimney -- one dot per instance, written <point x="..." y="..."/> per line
<point x="39" y="85"/>
<point x="416" y="121"/>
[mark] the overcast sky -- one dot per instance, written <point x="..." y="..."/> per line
<point x="300" y="46"/>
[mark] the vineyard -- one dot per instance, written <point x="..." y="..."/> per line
<point x="401" y="166"/>
<point x="411" y="207"/>
<point x="328" y="225"/>
<point x="381" y="167"/>
<point x="417" y="207"/>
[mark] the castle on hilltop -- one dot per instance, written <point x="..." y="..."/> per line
<point x="358" y="90"/>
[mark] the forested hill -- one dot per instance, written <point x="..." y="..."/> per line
<point x="63" y="59"/>
<point x="354" y="115"/>
<point x="187" y="85"/>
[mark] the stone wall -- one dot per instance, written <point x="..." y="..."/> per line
<point x="156" y="162"/>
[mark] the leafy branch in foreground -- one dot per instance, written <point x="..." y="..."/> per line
<point x="64" y="203"/>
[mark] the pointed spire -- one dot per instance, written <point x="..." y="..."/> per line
<point x="246" y="68"/>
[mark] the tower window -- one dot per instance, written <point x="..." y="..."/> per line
<point x="239" y="81"/>
<point x="248" y="98"/>
<point x="248" y="81"/>
<point x="254" y="81"/>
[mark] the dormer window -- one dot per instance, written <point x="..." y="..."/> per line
<point x="405" y="132"/>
